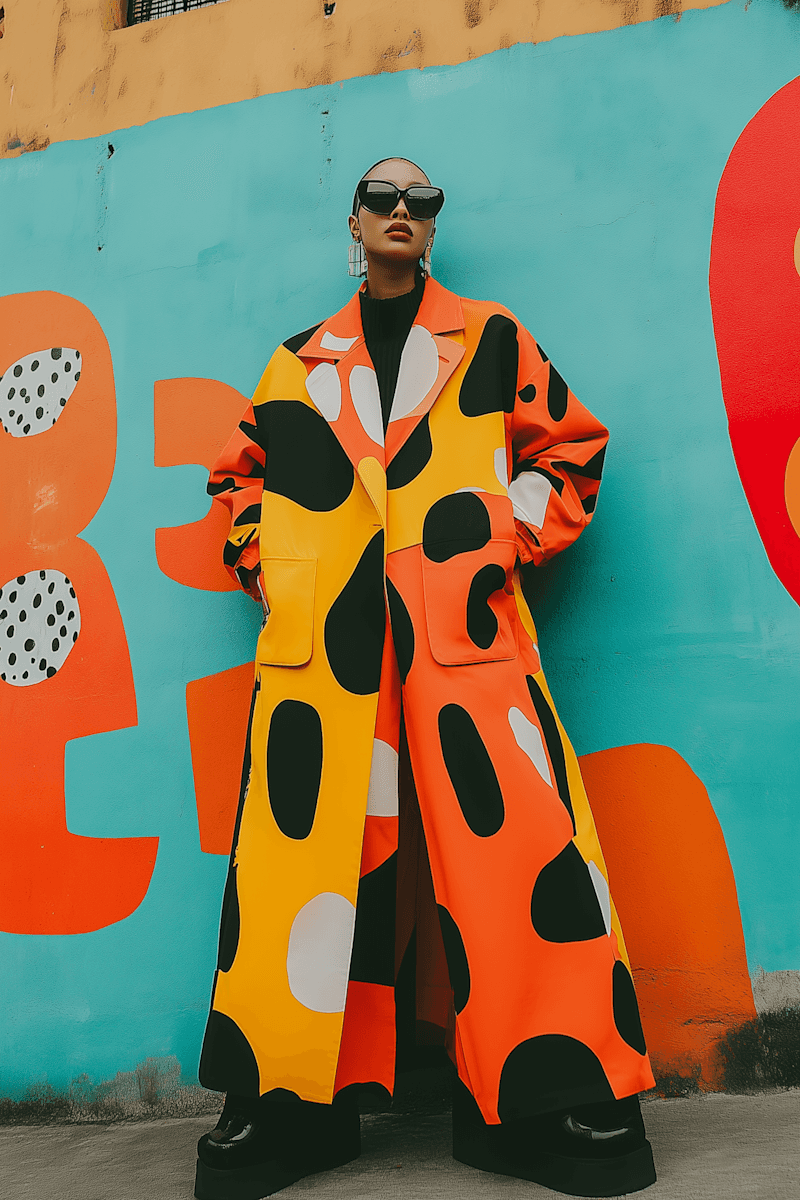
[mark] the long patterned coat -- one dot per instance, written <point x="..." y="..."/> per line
<point x="399" y="644"/>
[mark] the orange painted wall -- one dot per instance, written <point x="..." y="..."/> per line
<point x="68" y="69"/>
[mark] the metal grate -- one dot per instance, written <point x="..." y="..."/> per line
<point x="150" y="10"/>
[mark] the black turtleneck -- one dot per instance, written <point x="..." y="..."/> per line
<point x="387" y="324"/>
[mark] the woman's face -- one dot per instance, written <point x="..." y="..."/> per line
<point x="398" y="238"/>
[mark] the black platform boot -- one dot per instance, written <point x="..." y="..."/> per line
<point x="589" y="1150"/>
<point x="259" y="1147"/>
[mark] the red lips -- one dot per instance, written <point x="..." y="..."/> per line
<point x="400" y="227"/>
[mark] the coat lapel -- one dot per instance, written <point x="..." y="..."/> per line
<point x="343" y="386"/>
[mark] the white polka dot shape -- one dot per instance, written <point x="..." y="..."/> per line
<point x="329" y="341"/>
<point x="382" y="800"/>
<point x="366" y="397"/>
<point x="529" y="740"/>
<point x="501" y="466"/>
<point x="419" y="370"/>
<point x="601" y="889"/>
<point x="530" y="493"/>
<point x="34" y="391"/>
<point x="39" y="624"/>
<point x="322" y="385"/>
<point x="318" y="959"/>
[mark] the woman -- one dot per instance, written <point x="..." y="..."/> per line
<point x="409" y="794"/>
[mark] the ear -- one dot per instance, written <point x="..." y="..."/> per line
<point x="354" y="229"/>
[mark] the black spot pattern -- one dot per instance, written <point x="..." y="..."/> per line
<point x="305" y="460"/>
<point x="490" y="383"/>
<point x="589" y="503"/>
<point x="299" y="340"/>
<point x="372" y="959"/>
<point x="19" y="414"/>
<point x="39" y="624"/>
<point x="356" y="624"/>
<point x="229" y="924"/>
<point x="471" y="771"/>
<point x="593" y="469"/>
<point x="524" y="465"/>
<point x="454" y="525"/>
<point x="402" y="630"/>
<point x="626" y="1009"/>
<point x="564" y="904"/>
<point x="554" y="746"/>
<point x="457" y="965"/>
<point x="528" y="393"/>
<point x="481" y="621"/>
<point x="412" y="457"/>
<point x="227" y="485"/>
<point x="556" y="395"/>
<point x="541" y="1070"/>
<point x="227" y="1063"/>
<point x="294" y="766"/>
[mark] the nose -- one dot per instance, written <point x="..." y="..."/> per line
<point x="400" y="212"/>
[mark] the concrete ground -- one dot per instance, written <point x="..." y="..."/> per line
<point x="715" y="1147"/>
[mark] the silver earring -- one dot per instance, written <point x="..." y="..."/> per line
<point x="356" y="258"/>
<point x="426" y="261"/>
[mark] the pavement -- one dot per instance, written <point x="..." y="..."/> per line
<point x="713" y="1147"/>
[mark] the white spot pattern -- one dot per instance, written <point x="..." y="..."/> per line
<point x="603" y="896"/>
<point x="366" y="397"/>
<point x="39" y="624"/>
<point x="419" y="370"/>
<point x="501" y="466"/>
<point x="530" y="493"/>
<point x="382" y="799"/>
<point x="529" y="740"/>
<point x="318" y="958"/>
<point x="35" y="389"/>
<point x="322" y="385"/>
<point x="329" y="341"/>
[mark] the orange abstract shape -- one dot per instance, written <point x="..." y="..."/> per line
<point x="755" y="303"/>
<point x="217" y="708"/>
<point x="674" y="889"/>
<point x="54" y="881"/>
<point x="791" y="487"/>
<point x="193" y="421"/>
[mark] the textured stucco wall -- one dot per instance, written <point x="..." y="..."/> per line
<point x="68" y="68"/>
<point x="581" y="177"/>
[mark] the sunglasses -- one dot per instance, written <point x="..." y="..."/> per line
<point x="377" y="196"/>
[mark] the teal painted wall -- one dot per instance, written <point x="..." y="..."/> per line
<point x="581" y="177"/>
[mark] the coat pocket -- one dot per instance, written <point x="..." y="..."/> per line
<point x="286" y="639"/>
<point x="470" y="609"/>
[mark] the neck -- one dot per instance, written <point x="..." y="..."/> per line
<point x="386" y="280"/>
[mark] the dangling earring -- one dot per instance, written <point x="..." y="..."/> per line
<point x="426" y="261"/>
<point x="356" y="258"/>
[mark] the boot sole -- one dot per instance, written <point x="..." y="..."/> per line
<point x="630" y="1172"/>
<point x="256" y="1182"/>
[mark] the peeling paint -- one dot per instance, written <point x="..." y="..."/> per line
<point x="83" y="73"/>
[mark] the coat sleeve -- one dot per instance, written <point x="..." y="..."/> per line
<point x="237" y="482"/>
<point x="557" y="451"/>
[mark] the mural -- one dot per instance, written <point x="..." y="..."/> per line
<point x="670" y="634"/>
<point x="64" y="656"/>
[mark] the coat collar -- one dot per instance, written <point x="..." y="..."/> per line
<point x="429" y="359"/>
<point x="440" y="312"/>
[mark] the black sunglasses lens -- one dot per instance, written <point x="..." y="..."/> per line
<point x="378" y="197"/>
<point x="424" y="202"/>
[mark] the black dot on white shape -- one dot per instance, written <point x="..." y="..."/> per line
<point x="490" y="383"/>
<point x="454" y="525"/>
<point x="471" y="771"/>
<point x="51" y="399"/>
<point x="547" y="1065"/>
<point x="564" y="904"/>
<point x="294" y="766"/>
<point x="29" y="619"/>
<point x="356" y="624"/>
<point x="626" y="1009"/>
